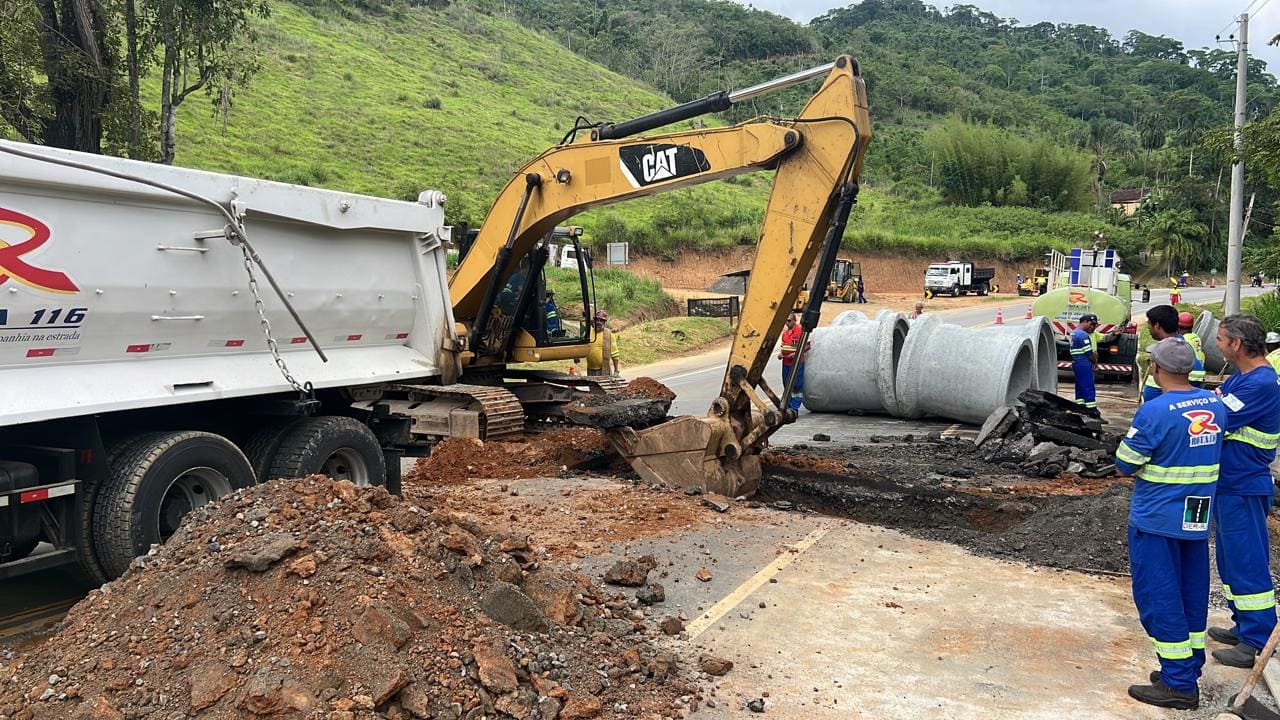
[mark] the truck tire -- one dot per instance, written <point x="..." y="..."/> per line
<point x="341" y="447"/>
<point x="1128" y="348"/>
<point x="155" y="481"/>
<point x="264" y="445"/>
<point x="955" y="291"/>
<point x="86" y="547"/>
<point x="982" y="290"/>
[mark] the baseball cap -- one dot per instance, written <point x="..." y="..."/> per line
<point x="1088" y="317"/>
<point x="1174" y="355"/>
<point x="1272" y="338"/>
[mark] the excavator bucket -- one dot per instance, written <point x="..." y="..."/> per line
<point x="682" y="452"/>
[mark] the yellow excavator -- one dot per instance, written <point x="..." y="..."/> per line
<point x="499" y="289"/>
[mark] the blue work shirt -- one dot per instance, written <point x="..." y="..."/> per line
<point x="1173" y="450"/>
<point x="1081" y="346"/>
<point x="1253" y="431"/>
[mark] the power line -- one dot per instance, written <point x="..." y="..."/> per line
<point x="1236" y="19"/>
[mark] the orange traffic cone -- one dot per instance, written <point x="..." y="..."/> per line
<point x="999" y="316"/>
<point x="1029" y="315"/>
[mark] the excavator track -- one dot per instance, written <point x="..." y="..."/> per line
<point x="544" y="394"/>
<point x="500" y="410"/>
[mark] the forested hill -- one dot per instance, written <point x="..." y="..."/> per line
<point x="1134" y="109"/>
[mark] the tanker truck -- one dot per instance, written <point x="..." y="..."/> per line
<point x="1088" y="280"/>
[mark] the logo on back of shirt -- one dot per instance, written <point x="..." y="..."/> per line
<point x="1202" y="428"/>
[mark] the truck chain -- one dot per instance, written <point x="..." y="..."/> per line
<point x="303" y="390"/>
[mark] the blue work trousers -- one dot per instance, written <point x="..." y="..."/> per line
<point x="1242" y="553"/>
<point x="1085" y="394"/>
<point x="797" y="392"/>
<point x="1171" y="590"/>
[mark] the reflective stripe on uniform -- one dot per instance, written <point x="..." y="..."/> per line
<point x="1255" y="437"/>
<point x="1080" y="351"/>
<point x="1257" y="601"/>
<point x="1197" y="640"/>
<point x="1131" y="456"/>
<point x="1183" y="475"/>
<point x="1087" y="403"/>
<point x="1173" y="650"/>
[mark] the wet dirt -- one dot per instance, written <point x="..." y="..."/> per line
<point x="941" y="490"/>
<point x="311" y="599"/>
<point x="460" y="460"/>
<point x="647" y="387"/>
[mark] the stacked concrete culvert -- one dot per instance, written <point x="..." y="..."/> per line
<point x="1040" y="333"/>
<point x="959" y="373"/>
<point x="1207" y="328"/>
<point x="853" y="364"/>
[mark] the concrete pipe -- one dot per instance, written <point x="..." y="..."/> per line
<point x="854" y="365"/>
<point x="849" y="317"/>
<point x="1207" y="328"/>
<point x="961" y="374"/>
<point x="1040" y="333"/>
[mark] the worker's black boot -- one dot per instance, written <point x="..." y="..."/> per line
<point x="1239" y="656"/>
<point x="1225" y="636"/>
<point x="1161" y="695"/>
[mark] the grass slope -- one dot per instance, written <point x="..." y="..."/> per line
<point x="451" y="100"/>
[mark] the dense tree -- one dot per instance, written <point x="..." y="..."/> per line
<point x="1174" y="235"/>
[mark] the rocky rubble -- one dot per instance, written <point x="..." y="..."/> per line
<point x="315" y="599"/>
<point x="1045" y="435"/>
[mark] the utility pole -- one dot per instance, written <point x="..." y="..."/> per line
<point x="1235" y="229"/>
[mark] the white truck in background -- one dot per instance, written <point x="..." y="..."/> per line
<point x="958" y="278"/>
<point x="149" y="366"/>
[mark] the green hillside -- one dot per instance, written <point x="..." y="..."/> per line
<point x="1134" y="110"/>
<point x="392" y="104"/>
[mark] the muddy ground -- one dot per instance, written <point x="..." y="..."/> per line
<point x="941" y="490"/>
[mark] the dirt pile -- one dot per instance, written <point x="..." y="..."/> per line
<point x="315" y="599"/>
<point x="647" y="387"/>
<point x="547" y="454"/>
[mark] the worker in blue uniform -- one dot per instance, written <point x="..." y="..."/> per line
<point x="1172" y="450"/>
<point x="1084" y="353"/>
<point x="1162" y="322"/>
<point x="1252" y="400"/>
<point x="553" y="316"/>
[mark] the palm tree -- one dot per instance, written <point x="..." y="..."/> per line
<point x="1175" y="234"/>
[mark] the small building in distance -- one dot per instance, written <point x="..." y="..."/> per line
<point x="1129" y="200"/>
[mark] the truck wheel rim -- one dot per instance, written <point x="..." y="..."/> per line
<point x="347" y="464"/>
<point x="192" y="489"/>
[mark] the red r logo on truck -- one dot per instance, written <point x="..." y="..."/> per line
<point x="12" y="266"/>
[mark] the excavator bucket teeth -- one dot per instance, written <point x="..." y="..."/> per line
<point x="677" y="453"/>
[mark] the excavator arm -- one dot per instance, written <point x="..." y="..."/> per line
<point x="817" y="157"/>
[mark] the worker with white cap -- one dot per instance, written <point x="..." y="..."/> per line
<point x="1273" y="349"/>
<point x="1172" y="451"/>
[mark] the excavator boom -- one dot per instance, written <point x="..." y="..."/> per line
<point x="817" y="156"/>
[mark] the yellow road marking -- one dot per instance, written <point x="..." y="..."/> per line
<point x="730" y="601"/>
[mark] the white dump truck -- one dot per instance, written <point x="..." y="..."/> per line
<point x="167" y="336"/>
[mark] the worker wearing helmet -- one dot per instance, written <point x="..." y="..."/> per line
<point x="1084" y="353"/>
<point x="603" y="357"/>
<point x="1162" y="322"/>
<point x="1273" y="349"/>
<point x="554" y="328"/>
<point x="1172" y="451"/>
<point x="1185" y="322"/>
